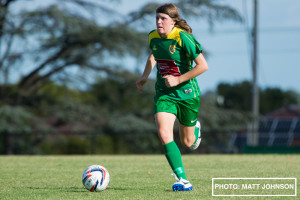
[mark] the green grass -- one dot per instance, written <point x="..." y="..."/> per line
<point x="134" y="176"/>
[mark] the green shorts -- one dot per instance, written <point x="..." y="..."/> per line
<point x="186" y="111"/>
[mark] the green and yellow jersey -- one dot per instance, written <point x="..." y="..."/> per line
<point x="174" y="56"/>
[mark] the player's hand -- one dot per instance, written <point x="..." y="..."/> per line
<point x="140" y="82"/>
<point x="171" y="81"/>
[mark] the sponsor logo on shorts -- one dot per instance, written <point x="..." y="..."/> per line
<point x="192" y="121"/>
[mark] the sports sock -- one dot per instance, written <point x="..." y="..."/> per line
<point x="196" y="133"/>
<point x="174" y="158"/>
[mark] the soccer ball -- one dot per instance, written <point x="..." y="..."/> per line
<point x="95" y="178"/>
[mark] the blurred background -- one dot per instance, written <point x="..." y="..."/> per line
<point x="68" y="70"/>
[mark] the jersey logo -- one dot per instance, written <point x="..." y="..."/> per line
<point x="172" y="49"/>
<point x="154" y="48"/>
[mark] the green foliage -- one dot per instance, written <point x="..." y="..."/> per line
<point x="238" y="96"/>
<point x="118" y="93"/>
<point x="218" y="118"/>
<point x="274" y="98"/>
<point x="62" y="144"/>
<point x="15" y="120"/>
<point x="64" y="38"/>
<point x="108" y="115"/>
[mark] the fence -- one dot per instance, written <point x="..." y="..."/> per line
<point x="273" y="132"/>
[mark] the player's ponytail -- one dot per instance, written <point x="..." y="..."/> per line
<point x="181" y="23"/>
<point x="172" y="11"/>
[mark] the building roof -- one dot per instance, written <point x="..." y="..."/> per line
<point x="290" y="111"/>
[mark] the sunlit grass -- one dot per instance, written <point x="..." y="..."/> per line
<point x="133" y="176"/>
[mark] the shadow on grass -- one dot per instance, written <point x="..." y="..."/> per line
<point x="116" y="188"/>
<point x="171" y="191"/>
<point x="74" y="189"/>
<point x="66" y="189"/>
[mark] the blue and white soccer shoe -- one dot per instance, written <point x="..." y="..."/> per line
<point x="198" y="141"/>
<point x="181" y="185"/>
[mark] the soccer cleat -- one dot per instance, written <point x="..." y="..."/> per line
<point x="197" y="142"/>
<point x="181" y="185"/>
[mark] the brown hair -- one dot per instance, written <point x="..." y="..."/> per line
<point x="172" y="11"/>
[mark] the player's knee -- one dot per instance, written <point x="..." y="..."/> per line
<point x="188" y="141"/>
<point x="165" y="136"/>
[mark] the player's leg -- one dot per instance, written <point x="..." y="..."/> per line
<point x="197" y="134"/>
<point x="165" y="123"/>
<point x="190" y="134"/>
<point x="187" y="136"/>
<point x="165" y="115"/>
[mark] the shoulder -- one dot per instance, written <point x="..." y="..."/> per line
<point x="181" y="36"/>
<point x="175" y="35"/>
<point x="189" y="40"/>
<point x="153" y="34"/>
<point x="186" y="35"/>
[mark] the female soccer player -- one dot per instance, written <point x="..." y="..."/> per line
<point x="173" y="50"/>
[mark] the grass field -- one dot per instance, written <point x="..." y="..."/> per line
<point x="134" y="176"/>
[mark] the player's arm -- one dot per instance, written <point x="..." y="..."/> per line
<point x="148" y="68"/>
<point x="201" y="66"/>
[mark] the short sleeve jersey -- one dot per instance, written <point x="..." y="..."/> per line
<point x="174" y="55"/>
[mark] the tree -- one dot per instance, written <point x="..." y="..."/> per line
<point x="4" y="5"/>
<point x="238" y="96"/>
<point x="6" y="38"/>
<point x="56" y="38"/>
<point x="274" y="98"/>
<point x="58" y="44"/>
<point x="206" y="9"/>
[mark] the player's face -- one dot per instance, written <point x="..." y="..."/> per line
<point x="164" y="24"/>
